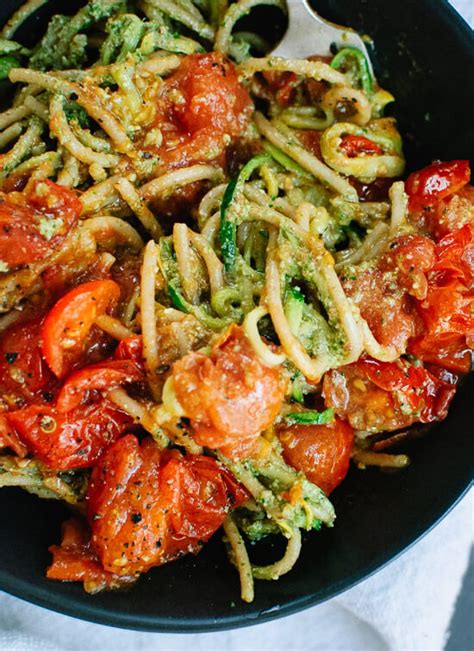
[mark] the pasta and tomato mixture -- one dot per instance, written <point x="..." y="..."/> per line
<point x="216" y="290"/>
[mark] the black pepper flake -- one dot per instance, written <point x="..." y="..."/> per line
<point x="11" y="357"/>
<point x="136" y="518"/>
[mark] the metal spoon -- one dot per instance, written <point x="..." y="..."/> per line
<point x="308" y="34"/>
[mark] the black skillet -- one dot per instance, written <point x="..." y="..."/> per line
<point x="425" y="56"/>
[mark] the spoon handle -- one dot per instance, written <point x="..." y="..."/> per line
<point x="309" y="34"/>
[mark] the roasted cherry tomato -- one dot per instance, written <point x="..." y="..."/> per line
<point x="447" y="309"/>
<point x="148" y="506"/>
<point x="200" y="108"/>
<point x="376" y="396"/>
<point x="436" y="182"/>
<point x="96" y="377"/>
<point x="230" y="396"/>
<point x="384" y="291"/>
<point x="354" y="146"/>
<point x="322" y="452"/>
<point x="33" y="225"/>
<point x="24" y="375"/>
<point x="68" y="324"/>
<point x="132" y="349"/>
<point x="72" y="440"/>
<point x="74" y="560"/>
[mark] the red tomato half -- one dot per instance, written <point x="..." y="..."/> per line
<point x="73" y="440"/>
<point x="68" y="324"/>
<point x="377" y="396"/>
<point x="354" y="146"/>
<point x="96" y="377"/>
<point x="230" y="397"/>
<point x="322" y="452"/>
<point x="33" y="225"/>
<point x="436" y="182"/>
<point x="74" y="560"/>
<point x="148" y="506"/>
<point x="24" y="375"/>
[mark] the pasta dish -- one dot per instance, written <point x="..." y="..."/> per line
<point x="216" y="290"/>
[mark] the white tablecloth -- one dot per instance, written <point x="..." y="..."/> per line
<point x="405" y="607"/>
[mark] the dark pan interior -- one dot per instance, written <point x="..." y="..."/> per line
<point x="425" y="56"/>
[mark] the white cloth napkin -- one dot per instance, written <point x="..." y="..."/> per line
<point x="406" y="606"/>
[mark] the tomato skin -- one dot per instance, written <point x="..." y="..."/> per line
<point x="68" y="323"/>
<point x="24" y="221"/>
<point x="447" y="308"/>
<point x="74" y="560"/>
<point x="73" y="440"/>
<point x="322" y="452"/>
<point x="354" y="146"/>
<point x="147" y="506"/>
<point x="200" y="105"/>
<point x="24" y="375"/>
<point x="96" y="377"/>
<point x="230" y="397"/>
<point x="377" y="396"/>
<point x="455" y="255"/>
<point x="436" y="182"/>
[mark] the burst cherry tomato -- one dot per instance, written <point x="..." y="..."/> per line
<point x="455" y="255"/>
<point x="384" y="292"/>
<point x="24" y="375"/>
<point x="354" y="146"/>
<point x="32" y="226"/>
<point x="72" y="440"/>
<point x="132" y="349"/>
<point x="96" y="377"/>
<point x="447" y="308"/>
<point x="436" y="182"/>
<point x="148" y="506"/>
<point x="68" y="324"/>
<point x="322" y="452"/>
<point x="231" y="396"/>
<point x="201" y="107"/>
<point x="74" y="560"/>
<point x="376" y="396"/>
